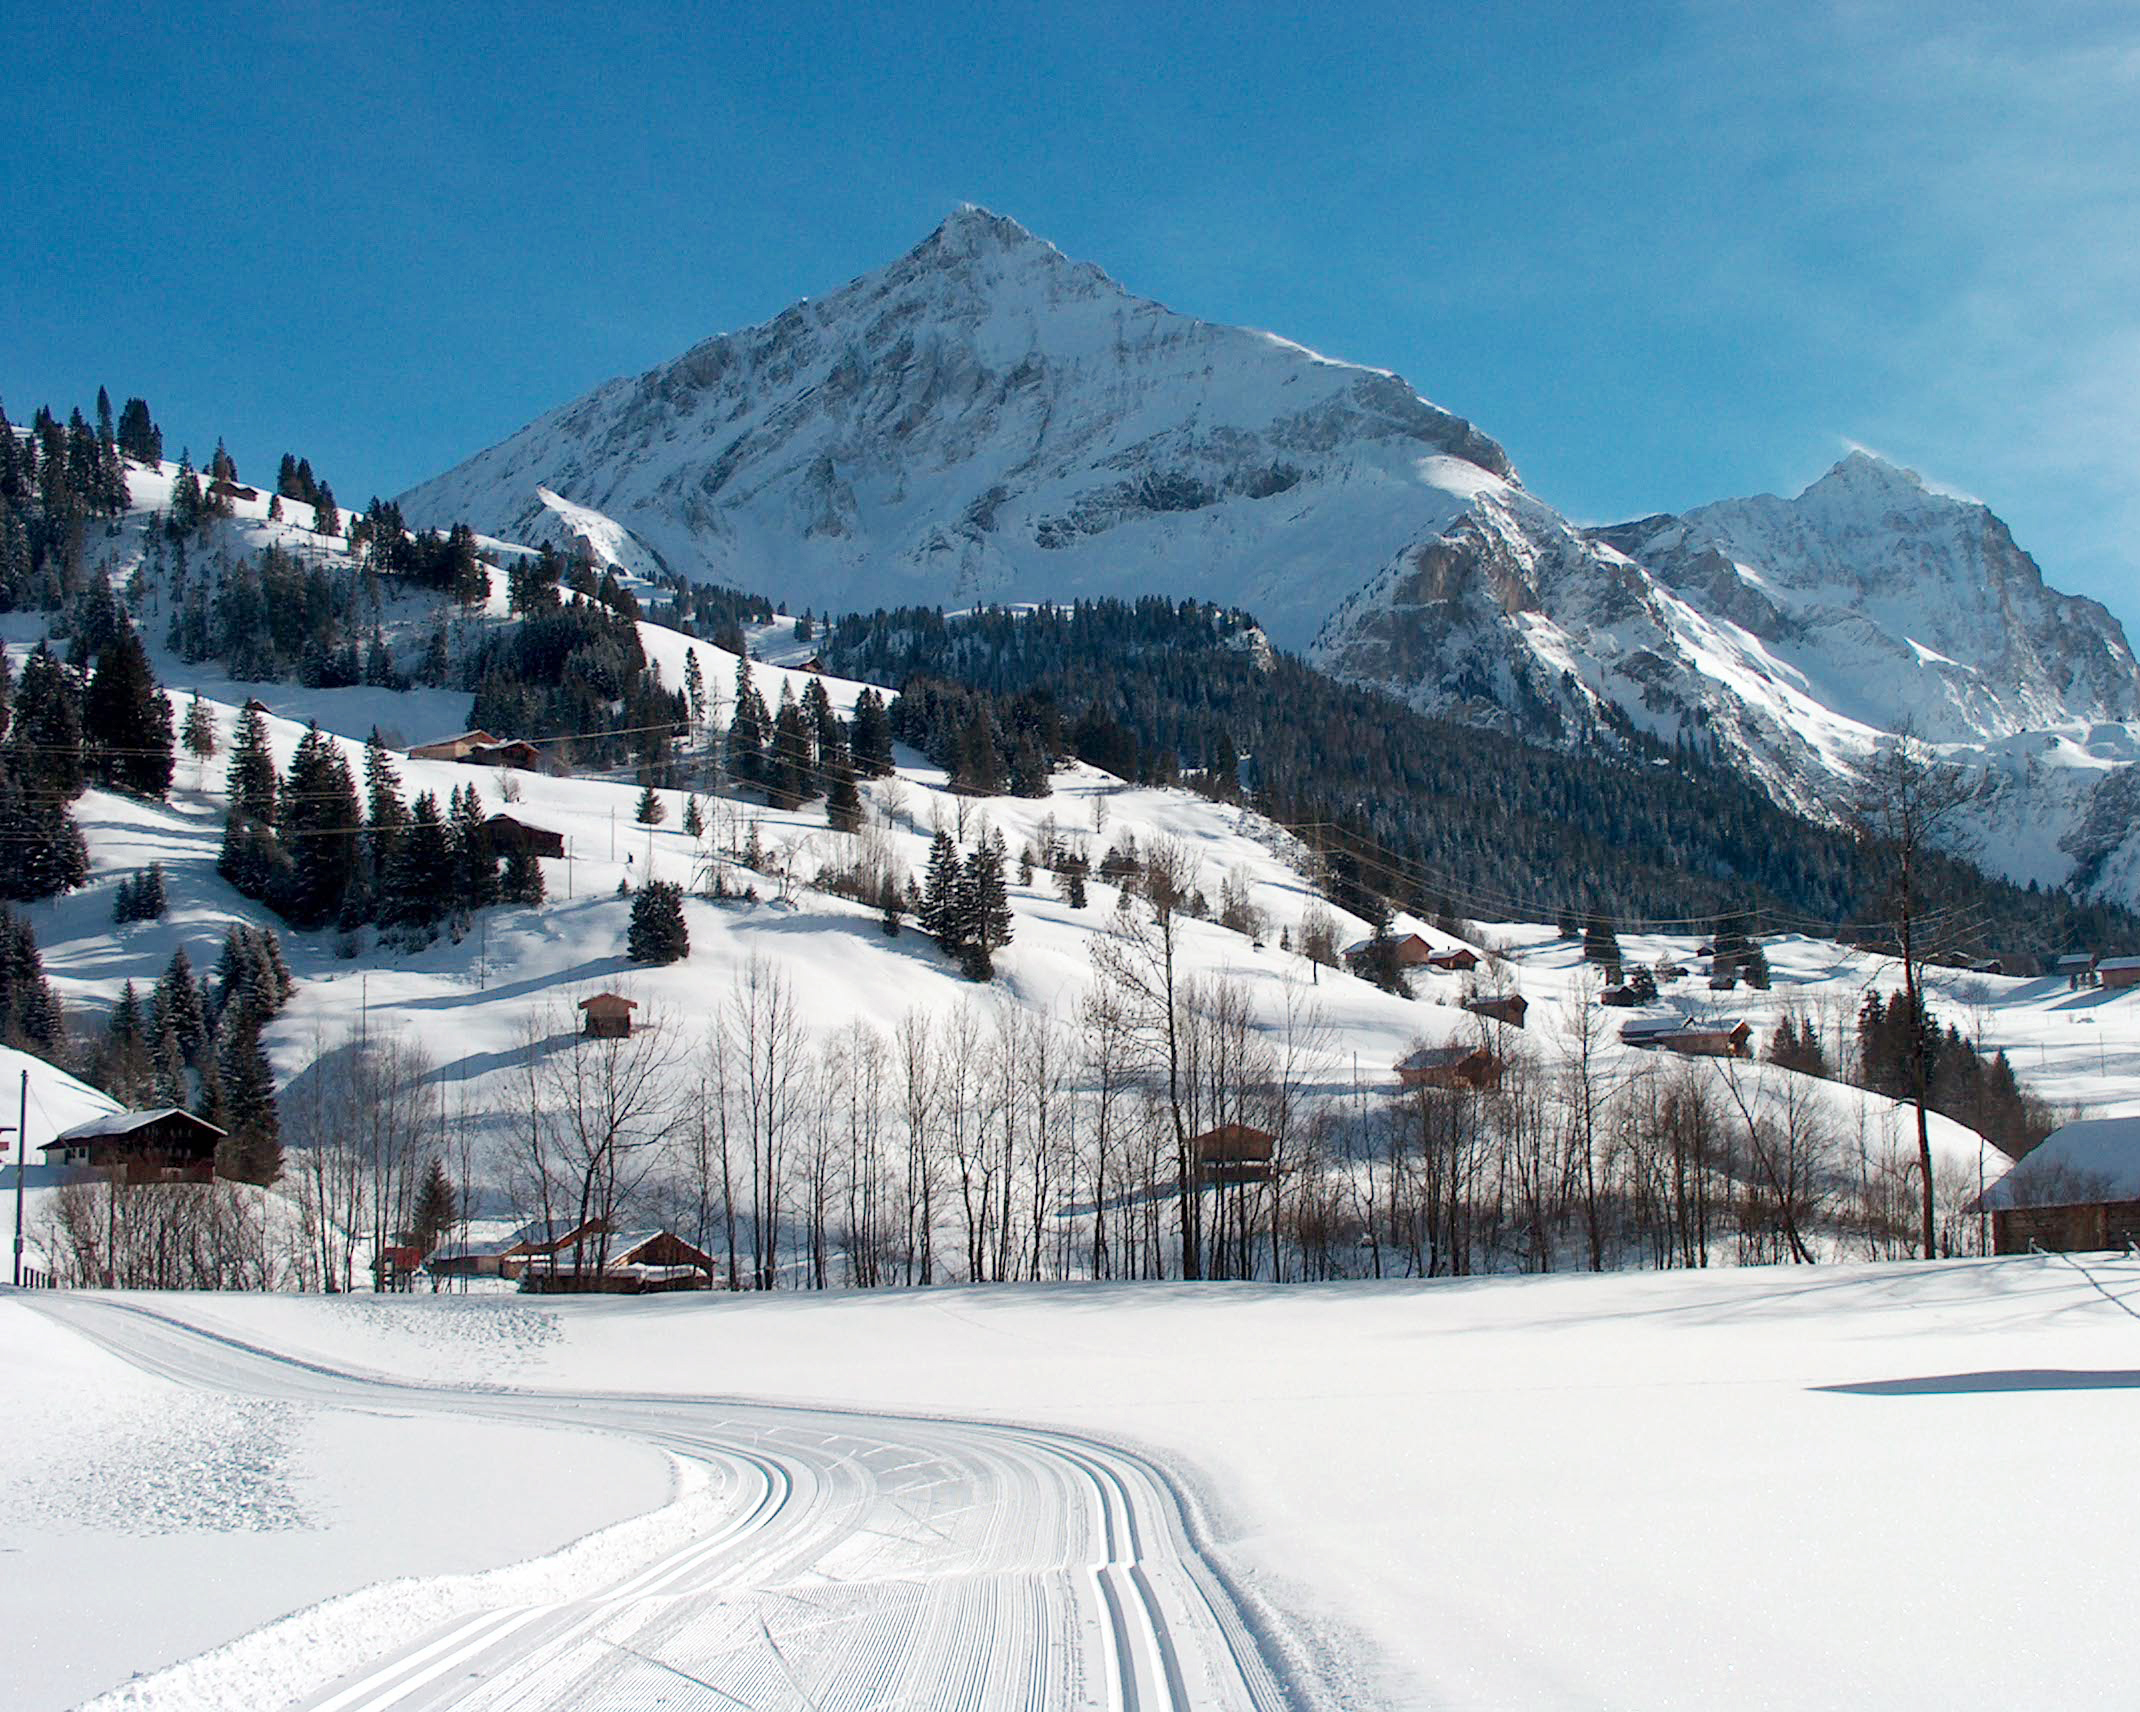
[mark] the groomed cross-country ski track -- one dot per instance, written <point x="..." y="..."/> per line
<point x="866" y="1562"/>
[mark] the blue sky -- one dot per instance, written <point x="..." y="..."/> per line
<point x="1664" y="253"/>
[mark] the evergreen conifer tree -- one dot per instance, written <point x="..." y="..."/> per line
<point x="748" y="729"/>
<point x="651" y="810"/>
<point x="658" y="932"/>
<point x="320" y="824"/>
<point x="198" y="732"/>
<point x="939" y="896"/>
<point x="45" y="730"/>
<point x="177" y="1009"/>
<point x="127" y="721"/>
<point x="254" y="1144"/>
<point x="523" y="882"/>
<point x="694" y="818"/>
<point x="250" y="781"/>
<point x="437" y="1208"/>
<point x="843" y="803"/>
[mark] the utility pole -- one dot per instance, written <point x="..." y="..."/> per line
<point x="22" y="1165"/>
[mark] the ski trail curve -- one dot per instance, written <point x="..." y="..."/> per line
<point x="868" y="1562"/>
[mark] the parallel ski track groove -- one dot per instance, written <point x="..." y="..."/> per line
<point x="988" y="1619"/>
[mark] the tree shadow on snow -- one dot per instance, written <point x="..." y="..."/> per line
<point x="1995" y="1379"/>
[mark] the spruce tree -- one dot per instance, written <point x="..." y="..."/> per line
<point x="419" y="886"/>
<point x="45" y="732"/>
<point x="871" y="741"/>
<point x="127" y="721"/>
<point x="30" y="1016"/>
<point x="651" y="810"/>
<point x="254" y="1144"/>
<point x="523" y="882"/>
<point x="659" y="933"/>
<point x="319" y="831"/>
<point x="475" y="861"/>
<point x="437" y="1209"/>
<point x="694" y="818"/>
<point x="748" y="728"/>
<point x="198" y="732"/>
<point x="939" y="896"/>
<point x="250" y="781"/>
<point x="992" y="898"/>
<point x="176" y="1007"/>
<point x="843" y="803"/>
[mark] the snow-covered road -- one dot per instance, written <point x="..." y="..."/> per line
<point x="864" y="1561"/>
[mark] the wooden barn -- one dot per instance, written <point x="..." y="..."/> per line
<point x="1410" y="951"/>
<point x="1649" y="1030"/>
<point x="1462" y="1067"/>
<point x="1234" y="1153"/>
<point x="1510" y="1008"/>
<point x="1729" y="1038"/>
<point x="1456" y="959"/>
<point x="480" y="749"/>
<point x="609" y="1016"/>
<point x="506" y="833"/>
<point x="636" y="1263"/>
<point x="2118" y="972"/>
<point x="2074" y="1228"/>
<point x="220" y="489"/>
<point x="164" y="1145"/>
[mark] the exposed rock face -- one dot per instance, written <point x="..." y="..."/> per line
<point x="986" y="419"/>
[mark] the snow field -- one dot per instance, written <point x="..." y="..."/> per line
<point x="1632" y="1491"/>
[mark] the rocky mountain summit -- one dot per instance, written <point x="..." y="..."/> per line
<point x="986" y="419"/>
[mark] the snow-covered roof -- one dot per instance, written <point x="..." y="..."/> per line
<point x="1646" y="1027"/>
<point x="2111" y="963"/>
<point x="125" y="1123"/>
<point x="1436" y="1057"/>
<point x="2095" y="1159"/>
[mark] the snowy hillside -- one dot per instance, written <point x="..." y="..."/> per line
<point x="986" y="419"/>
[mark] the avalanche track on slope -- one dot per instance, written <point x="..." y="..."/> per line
<point x="872" y="1561"/>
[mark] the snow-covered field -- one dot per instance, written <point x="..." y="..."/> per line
<point x="1842" y="1486"/>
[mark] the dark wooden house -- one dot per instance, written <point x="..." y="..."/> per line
<point x="2118" y="972"/>
<point x="631" y="1263"/>
<point x="507" y="834"/>
<point x="1460" y="1067"/>
<point x="1234" y="1153"/>
<point x="1409" y="950"/>
<point x="1510" y="1008"/>
<point x="1455" y="959"/>
<point x="609" y="1016"/>
<point x="164" y="1145"/>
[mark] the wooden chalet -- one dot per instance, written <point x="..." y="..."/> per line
<point x="635" y="1263"/>
<point x="1454" y="960"/>
<point x="1621" y="997"/>
<point x="164" y="1145"/>
<point x="480" y="749"/>
<point x="220" y="489"/>
<point x="1730" y="1038"/>
<point x="1410" y="951"/>
<point x="1234" y="1153"/>
<point x="1649" y="1030"/>
<point x="1463" y="1067"/>
<point x="609" y="1016"/>
<point x="2078" y="1189"/>
<point x="813" y="664"/>
<point x="2077" y="967"/>
<point x="539" y="1241"/>
<point x="2075" y="1228"/>
<point x="1510" y="1008"/>
<point x="506" y="833"/>
<point x="2117" y="973"/>
<point x="2025" y="964"/>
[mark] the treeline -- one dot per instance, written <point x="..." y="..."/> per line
<point x="309" y="848"/>
<point x="574" y="675"/>
<point x="59" y="481"/>
<point x="1430" y="811"/>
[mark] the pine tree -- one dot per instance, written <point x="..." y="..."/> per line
<point x="45" y="732"/>
<point x="652" y="811"/>
<point x="30" y="1017"/>
<point x="177" y="1009"/>
<point x="385" y="814"/>
<point x="843" y="803"/>
<point x="46" y="852"/>
<point x="938" y="914"/>
<point x="790" y="779"/>
<point x="871" y="741"/>
<point x="437" y="1209"/>
<point x="992" y="898"/>
<point x="523" y="882"/>
<point x="694" y="818"/>
<point x="124" y="1065"/>
<point x="198" y="732"/>
<point x="748" y="728"/>
<point x="1601" y="945"/>
<point x="891" y="898"/>
<point x="188" y="507"/>
<point x="274" y="508"/>
<point x="138" y="436"/>
<point x="475" y="862"/>
<point x="319" y="831"/>
<point x="419" y="886"/>
<point x="658" y="931"/>
<point x="127" y="721"/>
<point x="1029" y="769"/>
<point x="1070" y="881"/>
<point x="327" y="518"/>
<point x="251" y="782"/>
<point x="254" y="1144"/>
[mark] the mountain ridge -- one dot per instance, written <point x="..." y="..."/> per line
<point x="986" y="419"/>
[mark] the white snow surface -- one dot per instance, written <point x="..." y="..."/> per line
<point x="1631" y="1491"/>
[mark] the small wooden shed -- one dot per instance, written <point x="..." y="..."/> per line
<point x="609" y="1016"/>
<point x="1472" y="1067"/>
<point x="1456" y="958"/>
<point x="1510" y="1008"/>
<point x="2117" y="972"/>
<point x="506" y="833"/>
<point x="1234" y="1153"/>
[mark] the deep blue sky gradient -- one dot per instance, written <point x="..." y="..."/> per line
<point x="1665" y="253"/>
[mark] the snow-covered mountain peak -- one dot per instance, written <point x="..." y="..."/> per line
<point x="987" y="418"/>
